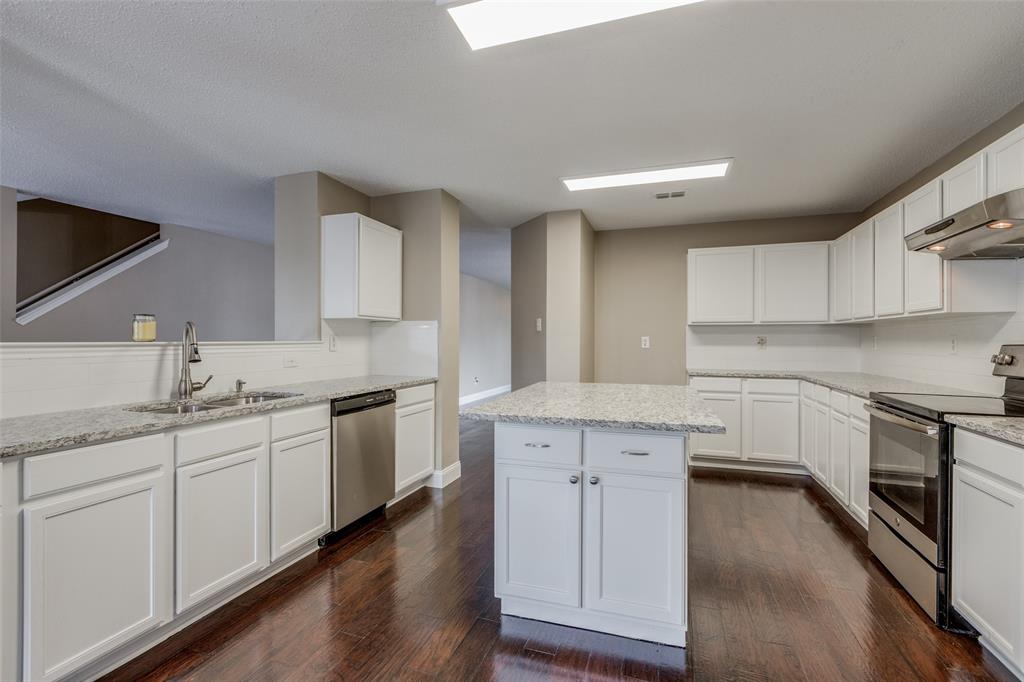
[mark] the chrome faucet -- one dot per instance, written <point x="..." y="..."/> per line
<point x="189" y="354"/>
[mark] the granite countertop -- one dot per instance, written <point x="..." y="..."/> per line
<point x="622" y="406"/>
<point x="36" y="433"/>
<point x="1009" y="429"/>
<point x="855" y="383"/>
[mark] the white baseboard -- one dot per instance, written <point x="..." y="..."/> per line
<point x="483" y="395"/>
<point x="443" y="477"/>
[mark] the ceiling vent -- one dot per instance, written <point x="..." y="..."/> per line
<point x="670" y="195"/>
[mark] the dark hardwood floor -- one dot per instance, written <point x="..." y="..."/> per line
<point x="780" y="589"/>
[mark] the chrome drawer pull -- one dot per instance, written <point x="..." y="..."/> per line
<point x="574" y="479"/>
<point x="635" y="453"/>
<point x="537" y="445"/>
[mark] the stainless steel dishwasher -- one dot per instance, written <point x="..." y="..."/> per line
<point x="363" y="456"/>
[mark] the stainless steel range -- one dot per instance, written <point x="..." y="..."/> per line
<point x="910" y="481"/>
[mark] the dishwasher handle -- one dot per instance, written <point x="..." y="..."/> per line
<point x="362" y="402"/>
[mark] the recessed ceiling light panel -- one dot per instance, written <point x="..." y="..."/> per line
<point x="692" y="171"/>
<point x="486" y="23"/>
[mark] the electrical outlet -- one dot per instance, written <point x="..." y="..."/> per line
<point x="761" y="341"/>
<point x="332" y="343"/>
<point x="291" y="361"/>
<point x="952" y="345"/>
<point x="874" y="343"/>
<point x="645" y="342"/>
<point x="540" y="324"/>
<point x="476" y="380"/>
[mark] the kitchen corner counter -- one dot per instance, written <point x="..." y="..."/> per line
<point x="619" y="406"/>
<point x="38" y="433"/>
<point x="854" y="383"/>
<point x="1009" y="429"/>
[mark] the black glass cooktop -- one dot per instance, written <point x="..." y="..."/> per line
<point x="936" y="407"/>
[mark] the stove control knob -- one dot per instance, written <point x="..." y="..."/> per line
<point x="1002" y="359"/>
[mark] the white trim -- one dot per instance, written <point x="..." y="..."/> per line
<point x="624" y="626"/>
<point x="489" y="393"/>
<point x="442" y="477"/>
<point x="73" y="291"/>
<point x="105" y="349"/>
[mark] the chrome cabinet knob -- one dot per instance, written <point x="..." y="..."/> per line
<point x="594" y="480"/>
<point x="574" y="479"/>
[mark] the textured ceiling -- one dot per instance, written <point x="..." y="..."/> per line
<point x="183" y="112"/>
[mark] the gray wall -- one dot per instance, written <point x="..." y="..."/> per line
<point x="299" y="202"/>
<point x="529" y="301"/>
<point x="219" y="282"/>
<point x="485" y="335"/>
<point x="640" y="289"/>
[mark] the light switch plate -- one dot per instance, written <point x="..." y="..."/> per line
<point x="332" y="343"/>
<point x="540" y="324"/>
<point x="291" y="361"/>
<point x="645" y="342"/>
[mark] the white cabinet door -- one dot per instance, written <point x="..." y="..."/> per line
<point x="635" y="545"/>
<point x="807" y="456"/>
<point x="771" y="425"/>
<point x="1005" y="163"/>
<point x="860" y="444"/>
<point x="97" y="572"/>
<point x="822" y="417"/>
<point x="380" y="270"/>
<point x="862" y="245"/>
<point x="222" y="530"/>
<point x="537" y="534"/>
<point x="793" y="281"/>
<point x="923" y="285"/>
<point x="839" y="457"/>
<point x="842" y="278"/>
<point x="889" y="258"/>
<point x="728" y="445"/>
<point x="414" y="444"/>
<point x="721" y="285"/>
<point x="988" y="547"/>
<point x="300" y="491"/>
<point x="963" y="184"/>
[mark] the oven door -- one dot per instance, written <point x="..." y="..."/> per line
<point x="909" y="478"/>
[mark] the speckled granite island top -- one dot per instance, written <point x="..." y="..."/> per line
<point x="38" y="433"/>
<point x="620" y="406"/>
<point x="1009" y="429"/>
<point x="854" y="383"/>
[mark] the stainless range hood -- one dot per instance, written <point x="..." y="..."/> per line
<point x="993" y="228"/>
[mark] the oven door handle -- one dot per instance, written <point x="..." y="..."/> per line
<point x="930" y="431"/>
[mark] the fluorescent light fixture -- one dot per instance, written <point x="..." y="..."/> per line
<point x="486" y="23"/>
<point x="693" y="171"/>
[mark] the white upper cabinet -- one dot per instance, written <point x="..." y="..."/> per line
<point x="842" y="278"/>
<point x="1005" y="163"/>
<point x="889" y="250"/>
<point x="721" y="284"/>
<point x="863" y="264"/>
<point x="923" y="282"/>
<point x="963" y="184"/>
<point x="793" y="282"/>
<point x="361" y="270"/>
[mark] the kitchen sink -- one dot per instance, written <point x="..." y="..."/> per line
<point x="249" y="399"/>
<point x="180" y="408"/>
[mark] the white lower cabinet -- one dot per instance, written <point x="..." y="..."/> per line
<point x="97" y="558"/>
<point x="988" y="542"/>
<point x="300" y="491"/>
<point x="630" y="518"/>
<point x="537" y="533"/>
<point x="728" y="445"/>
<point x="771" y="427"/>
<point x="414" y="443"/>
<point x="822" y="417"/>
<point x="839" y="457"/>
<point x="761" y="416"/>
<point x="600" y="546"/>
<point x="807" y="434"/>
<point x="860" y="453"/>
<point x="222" y="521"/>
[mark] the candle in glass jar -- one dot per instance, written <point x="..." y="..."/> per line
<point x="143" y="327"/>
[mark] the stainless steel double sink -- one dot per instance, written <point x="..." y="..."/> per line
<point x="251" y="398"/>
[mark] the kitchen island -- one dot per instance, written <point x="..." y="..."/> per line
<point x="590" y="504"/>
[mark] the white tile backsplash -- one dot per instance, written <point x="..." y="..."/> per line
<point x="797" y="347"/>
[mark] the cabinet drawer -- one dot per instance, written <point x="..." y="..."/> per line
<point x="717" y="384"/>
<point x="58" y="471"/>
<point x="839" y="402"/>
<point x="996" y="457"/>
<point x="204" y="442"/>
<point x="288" y="423"/>
<point x="635" y="452"/>
<point x="857" y="409"/>
<point x="775" y="386"/>
<point x="416" y="394"/>
<point x="544" y="445"/>
<point x="822" y="394"/>
<point x="807" y="390"/>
